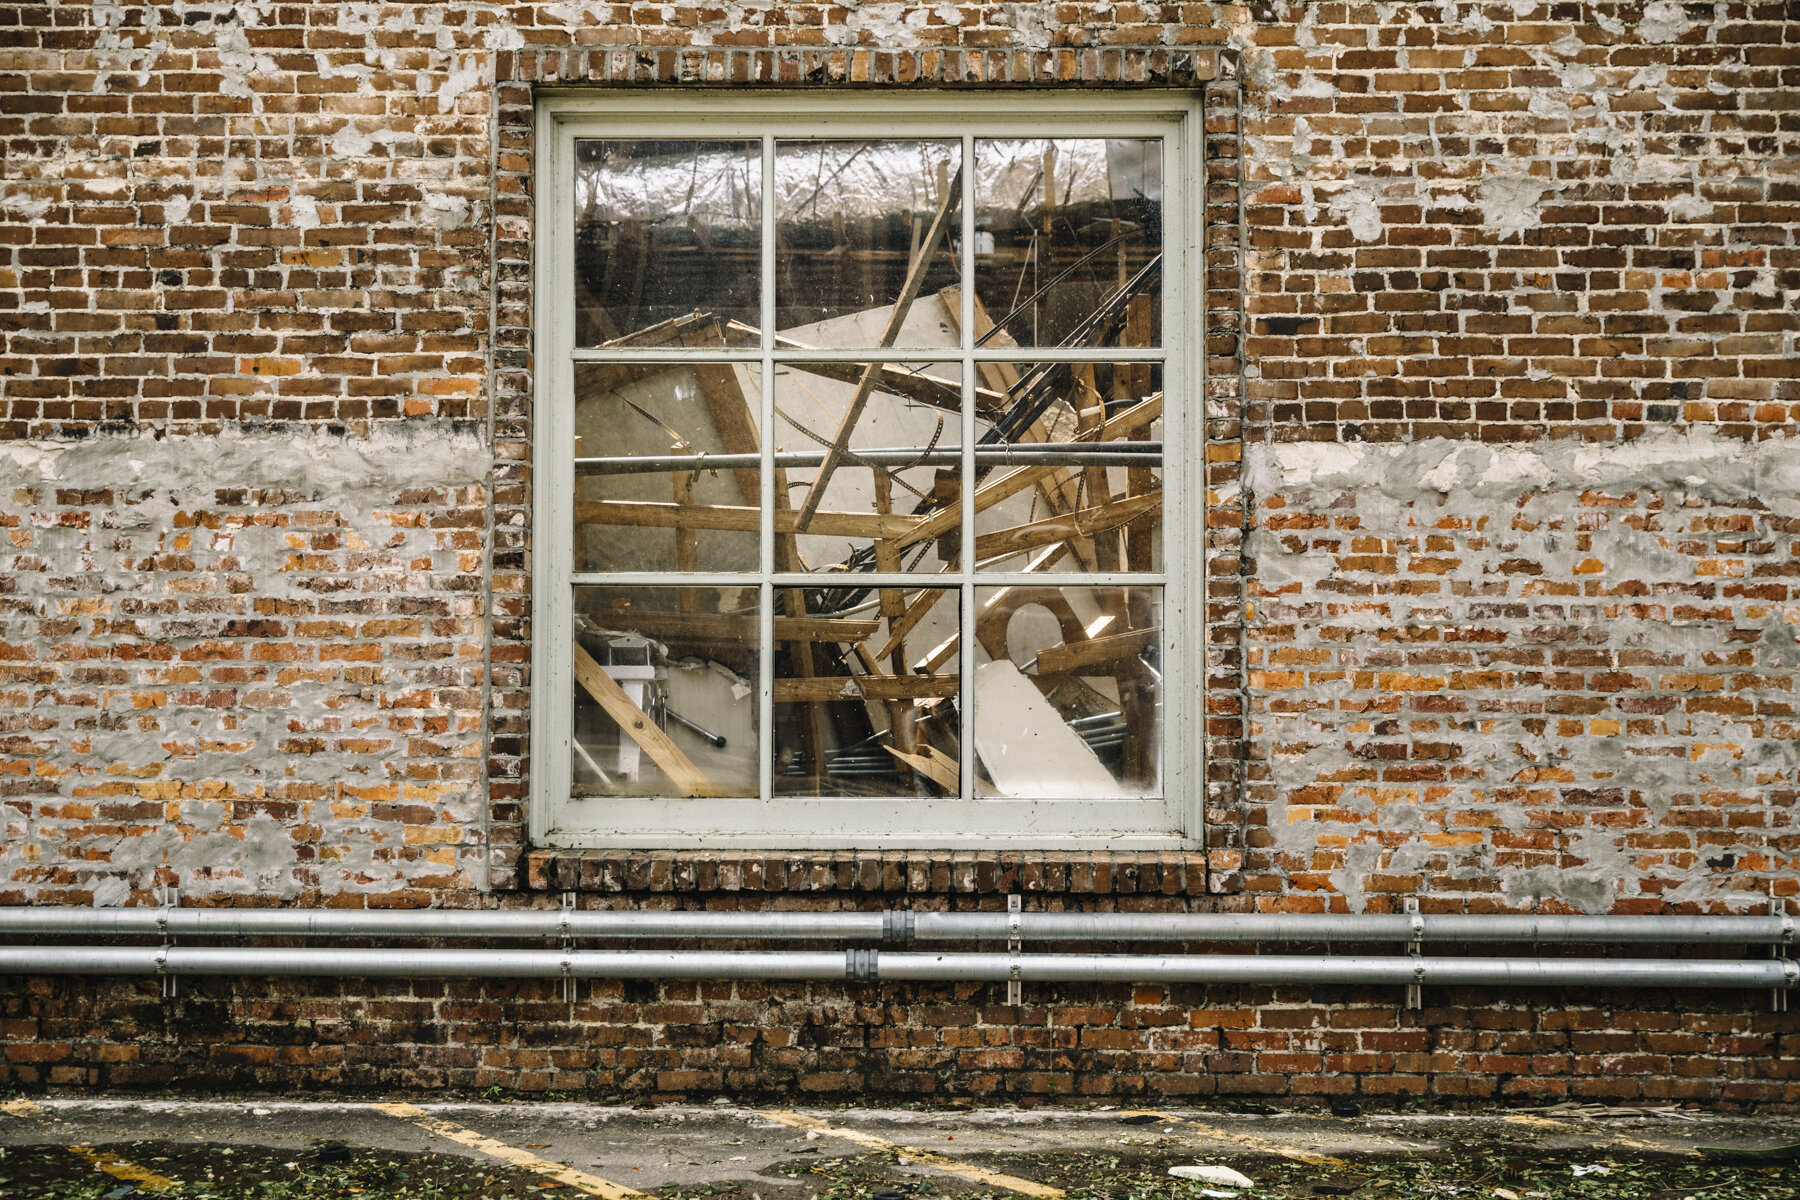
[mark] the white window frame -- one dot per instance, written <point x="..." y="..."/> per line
<point x="1172" y="821"/>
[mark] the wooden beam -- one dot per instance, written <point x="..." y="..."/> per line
<point x="915" y="278"/>
<point x="1138" y="417"/>
<point x="1087" y="522"/>
<point x="659" y="515"/>
<point x="731" y="415"/>
<point x="740" y="628"/>
<point x="923" y="603"/>
<point x="821" y="688"/>
<point x="1100" y="651"/>
<point x="688" y="779"/>
<point x="932" y="390"/>
<point x="940" y="768"/>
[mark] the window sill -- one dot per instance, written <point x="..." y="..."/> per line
<point x="915" y="872"/>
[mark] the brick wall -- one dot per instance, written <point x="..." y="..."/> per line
<point x="1502" y="606"/>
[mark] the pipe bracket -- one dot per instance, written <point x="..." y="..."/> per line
<point x="1015" y="944"/>
<point x="862" y="966"/>
<point x="899" y="926"/>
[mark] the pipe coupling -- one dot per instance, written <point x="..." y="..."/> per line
<point x="1790" y="969"/>
<point x="899" y="926"/>
<point x="862" y="966"/>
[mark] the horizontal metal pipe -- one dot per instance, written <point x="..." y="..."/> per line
<point x="923" y="926"/>
<point x="1299" y="969"/>
<point x="419" y="962"/>
<point x="1281" y="927"/>
<point x="1025" y="454"/>
<point x="894" y="966"/>
<point x="436" y="922"/>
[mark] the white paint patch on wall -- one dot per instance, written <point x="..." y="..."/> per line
<point x="1510" y="203"/>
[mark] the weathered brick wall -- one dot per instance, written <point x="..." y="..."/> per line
<point x="1559" y="677"/>
<point x="752" y="1040"/>
<point x="265" y="427"/>
<point x="245" y="664"/>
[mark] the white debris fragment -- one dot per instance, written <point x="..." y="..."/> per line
<point x="1208" y="1173"/>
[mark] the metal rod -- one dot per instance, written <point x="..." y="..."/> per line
<point x="1401" y="970"/>
<point x="699" y="731"/>
<point x="930" y="926"/>
<point x="1024" y="454"/>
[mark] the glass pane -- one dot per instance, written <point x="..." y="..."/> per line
<point x="1068" y="231"/>
<point x="867" y="509"/>
<point x="865" y="692"/>
<point x="665" y="467"/>
<point x="665" y="231"/>
<point x="665" y="698"/>
<point x="856" y="223"/>
<point x="1070" y="469"/>
<point x="1068" y="691"/>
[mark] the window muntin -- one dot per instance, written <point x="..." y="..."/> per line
<point x="806" y="594"/>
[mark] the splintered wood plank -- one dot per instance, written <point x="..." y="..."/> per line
<point x="687" y="542"/>
<point x="1138" y="417"/>
<point x="731" y="415"/>
<point x="745" y="519"/>
<point x="738" y="627"/>
<point x="1060" y="660"/>
<point x="823" y="688"/>
<point x="915" y="612"/>
<point x="928" y="389"/>
<point x="688" y="779"/>
<point x="941" y="769"/>
<point x="915" y="278"/>
<point x="1099" y="519"/>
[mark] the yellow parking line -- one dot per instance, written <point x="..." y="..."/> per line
<point x="924" y="1157"/>
<point x="112" y="1164"/>
<point x="1617" y="1139"/>
<point x="123" y="1168"/>
<point x="1247" y="1140"/>
<point x="591" y="1184"/>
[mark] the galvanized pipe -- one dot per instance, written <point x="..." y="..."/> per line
<point x="895" y="925"/>
<point x="1281" y="927"/>
<point x="872" y="965"/>
<point x="435" y="923"/>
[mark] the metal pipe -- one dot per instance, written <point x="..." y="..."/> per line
<point x="437" y="923"/>
<point x="419" y="962"/>
<point x="871" y="965"/>
<point x="1026" y="454"/>
<point x="1299" y="969"/>
<point x="1282" y="927"/>
<point x="924" y="926"/>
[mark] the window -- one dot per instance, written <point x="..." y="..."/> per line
<point x="854" y="415"/>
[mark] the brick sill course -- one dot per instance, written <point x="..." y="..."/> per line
<point x="916" y="872"/>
